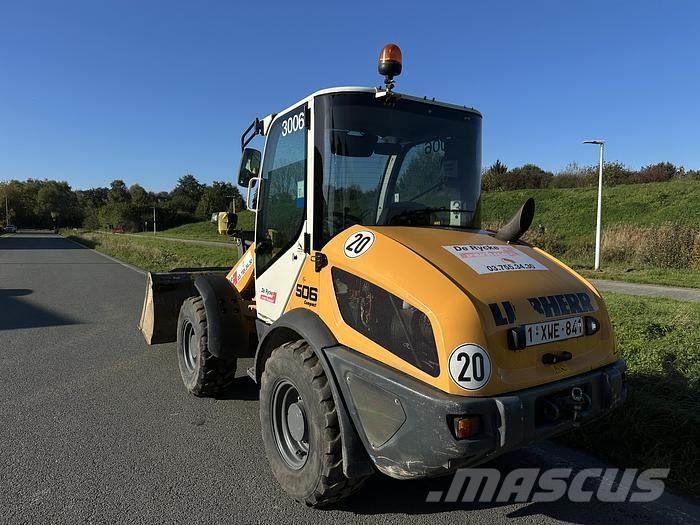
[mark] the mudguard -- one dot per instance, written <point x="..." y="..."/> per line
<point x="227" y="326"/>
<point x="301" y="323"/>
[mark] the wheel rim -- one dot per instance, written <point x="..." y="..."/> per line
<point x="190" y="346"/>
<point x="290" y="424"/>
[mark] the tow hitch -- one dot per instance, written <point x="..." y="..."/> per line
<point x="565" y="405"/>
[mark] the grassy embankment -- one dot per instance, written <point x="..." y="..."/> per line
<point x="659" y="426"/>
<point x="156" y="255"/>
<point x="650" y="230"/>
<point x="205" y="230"/>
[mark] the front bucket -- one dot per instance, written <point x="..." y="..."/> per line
<point x="165" y="293"/>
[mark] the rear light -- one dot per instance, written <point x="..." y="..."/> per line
<point x="465" y="427"/>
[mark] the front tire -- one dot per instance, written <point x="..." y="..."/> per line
<point x="300" y="427"/>
<point x="203" y="374"/>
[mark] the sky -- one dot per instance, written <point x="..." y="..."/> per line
<point x="145" y="91"/>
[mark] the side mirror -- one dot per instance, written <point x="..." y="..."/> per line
<point x="250" y="166"/>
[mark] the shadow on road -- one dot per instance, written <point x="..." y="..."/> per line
<point x="243" y="389"/>
<point x="16" y="313"/>
<point x="37" y="241"/>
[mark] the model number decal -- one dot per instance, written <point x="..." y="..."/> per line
<point x="358" y="243"/>
<point x="470" y="366"/>
<point x="307" y="292"/>
<point x="293" y="123"/>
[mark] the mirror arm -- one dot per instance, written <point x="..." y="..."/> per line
<point x="255" y="128"/>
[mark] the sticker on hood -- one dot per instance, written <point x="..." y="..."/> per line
<point x="470" y="367"/>
<point x="358" y="243"/>
<point x="490" y="258"/>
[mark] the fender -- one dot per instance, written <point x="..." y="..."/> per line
<point x="301" y="323"/>
<point x="226" y="325"/>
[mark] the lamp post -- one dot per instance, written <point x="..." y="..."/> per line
<point x="601" y="143"/>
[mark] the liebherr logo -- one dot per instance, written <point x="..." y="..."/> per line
<point x="485" y="485"/>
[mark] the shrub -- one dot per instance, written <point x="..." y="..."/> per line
<point x="660" y="172"/>
<point x="668" y="246"/>
<point x="665" y="246"/>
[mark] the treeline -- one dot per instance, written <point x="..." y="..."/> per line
<point x="49" y="203"/>
<point x="498" y="177"/>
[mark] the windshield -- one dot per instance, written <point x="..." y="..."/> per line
<point x="395" y="162"/>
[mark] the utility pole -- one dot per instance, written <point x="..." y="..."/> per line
<point x="7" y="211"/>
<point x="233" y="201"/>
<point x="154" y="220"/>
<point x="601" y="143"/>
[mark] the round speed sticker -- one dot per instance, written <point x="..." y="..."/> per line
<point x="470" y="367"/>
<point x="358" y="243"/>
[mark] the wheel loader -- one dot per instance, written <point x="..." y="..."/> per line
<point x="387" y="331"/>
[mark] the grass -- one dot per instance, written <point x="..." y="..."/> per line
<point x="565" y="219"/>
<point x="570" y="213"/>
<point x="206" y="230"/>
<point x="156" y="255"/>
<point x="659" y="426"/>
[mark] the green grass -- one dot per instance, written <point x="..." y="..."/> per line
<point x="564" y="223"/>
<point x="156" y="255"/>
<point x="571" y="212"/>
<point x="205" y="230"/>
<point x="659" y="426"/>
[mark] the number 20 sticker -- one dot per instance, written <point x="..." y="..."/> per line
<point x="358" y="243"/>
<point x="470" y="367"/>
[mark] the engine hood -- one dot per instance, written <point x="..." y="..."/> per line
<point x="512" y="286"/>
<point x="489" y="270"/>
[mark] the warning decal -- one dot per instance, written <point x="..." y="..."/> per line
<point x="489" y="258"/>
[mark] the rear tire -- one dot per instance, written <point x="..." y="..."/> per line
<point x="203" y="374"/>
<point x="300" y="428"/>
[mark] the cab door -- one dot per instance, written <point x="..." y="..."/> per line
<point x="281" y="221"/>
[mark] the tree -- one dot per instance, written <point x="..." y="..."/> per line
<point x="118" y="192"/>
<point x="574" y="176"/>
<point x="615" y="173"/>
<point x="527" y="176"/>
<point x="139" y="196"/>
<point x="660" y="172"/>
<point x="92" y="198"/>
<point x="186" y="194"/>
<point x="494" y="176"/>
<point x="57" y="204"/>
<point x="218" y="197"/>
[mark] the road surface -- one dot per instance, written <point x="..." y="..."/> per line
<point x="649" y="290"/>
<point x="96" y="427"/>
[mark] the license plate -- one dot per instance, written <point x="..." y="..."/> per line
<point x="549" y="331"/>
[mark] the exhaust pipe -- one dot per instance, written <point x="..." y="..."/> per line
<point x="518" y="225"/>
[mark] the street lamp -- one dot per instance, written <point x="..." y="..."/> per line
<point x="601" y="143"/>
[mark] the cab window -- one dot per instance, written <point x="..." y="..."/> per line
<point x="282" y="199"/>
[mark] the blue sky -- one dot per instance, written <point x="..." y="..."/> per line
<point x="144" y="91"/>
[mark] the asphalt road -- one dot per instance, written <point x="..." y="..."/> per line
<point x="96" y="427"/>
<point x="650" y="290"/>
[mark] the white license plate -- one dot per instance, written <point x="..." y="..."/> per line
<point x="549" y="331"/>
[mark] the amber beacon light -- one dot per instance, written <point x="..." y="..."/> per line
<point x="390" y="64"/>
